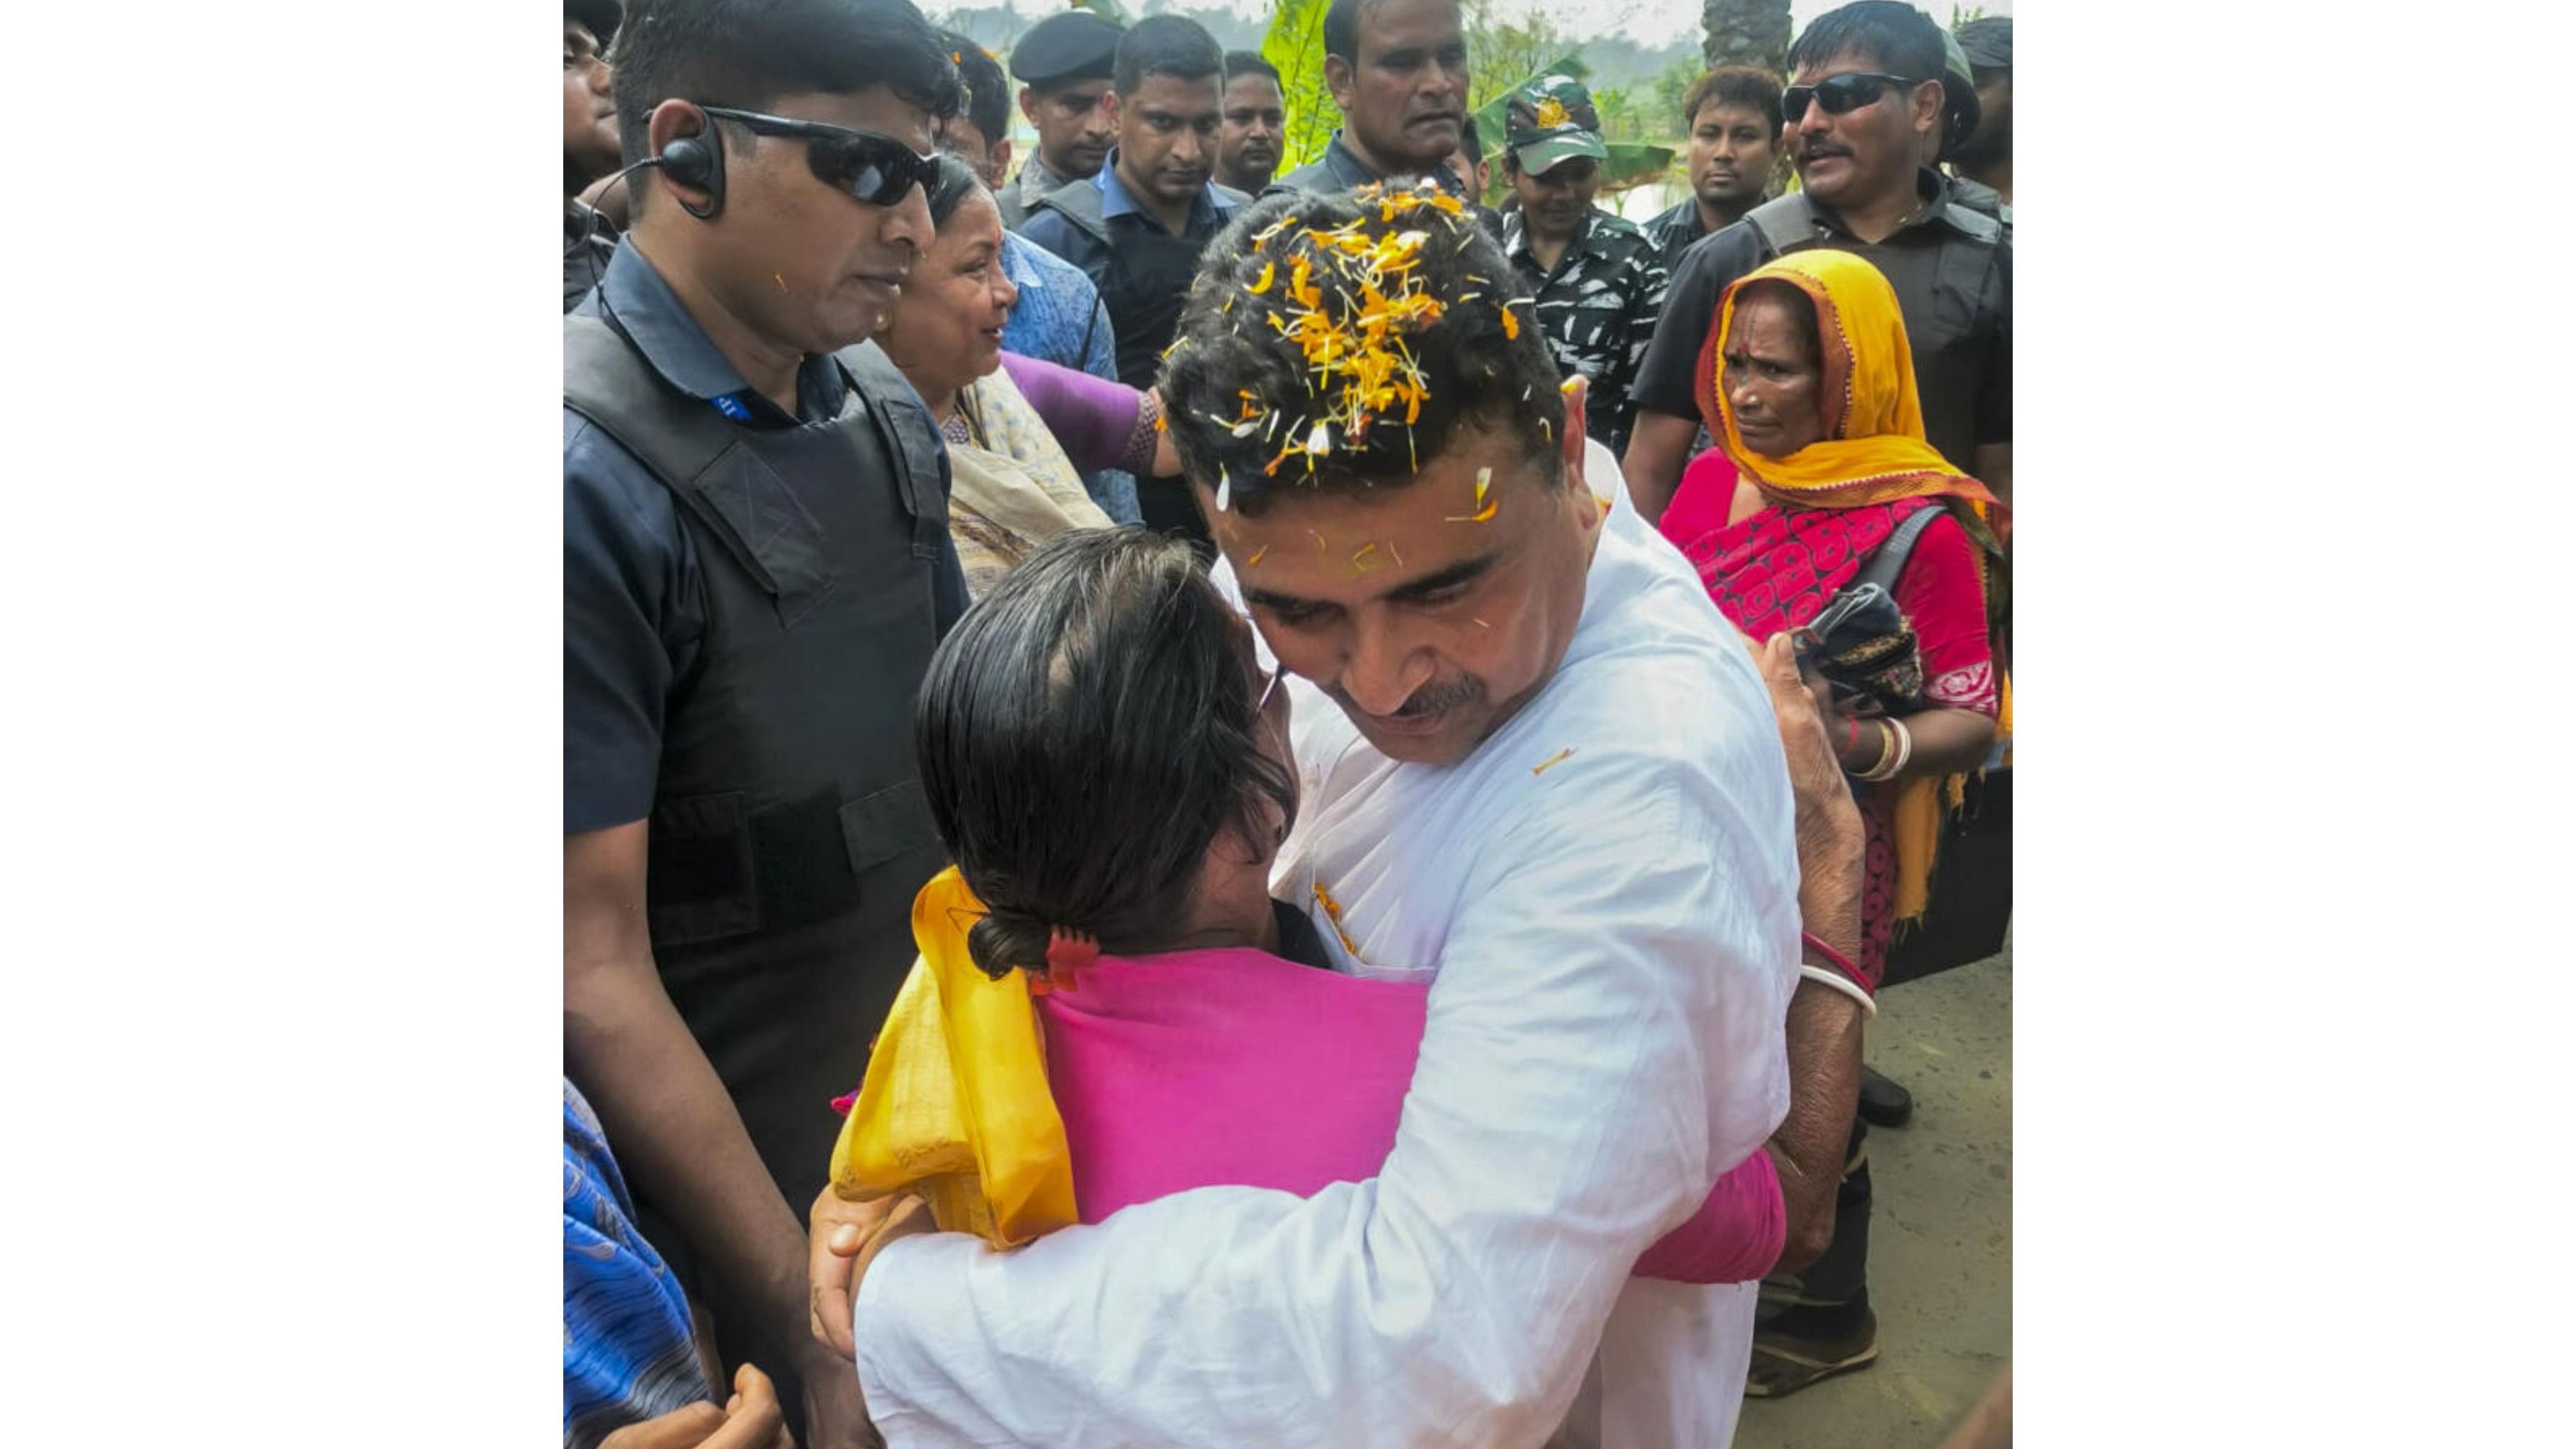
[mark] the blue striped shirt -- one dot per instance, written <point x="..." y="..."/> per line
<point x="628" y="1353"/>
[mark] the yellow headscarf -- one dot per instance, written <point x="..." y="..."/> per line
<point x="1873" y="451"/>
<point x="956" y="1105"/>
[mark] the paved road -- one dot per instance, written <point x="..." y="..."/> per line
<point x="1941" y="1241"/>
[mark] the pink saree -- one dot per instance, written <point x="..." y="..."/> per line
<point x="1236" y="1067"/>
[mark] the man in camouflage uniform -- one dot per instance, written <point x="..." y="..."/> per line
<point x="1597" y="279"/>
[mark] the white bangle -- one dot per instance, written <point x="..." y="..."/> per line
<point x="1827" y="976"/>
<point x="1891" y="763"/>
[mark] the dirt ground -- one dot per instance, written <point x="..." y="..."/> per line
<point x="1941" y="1240"/>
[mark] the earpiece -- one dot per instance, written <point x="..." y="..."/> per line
<point x="698" y="161"/>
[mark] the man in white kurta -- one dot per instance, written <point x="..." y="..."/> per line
<point x="1604" y="896"/>
<point x="1540" y="772"/>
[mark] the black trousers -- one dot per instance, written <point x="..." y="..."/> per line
<point x="1842" y="1274"/>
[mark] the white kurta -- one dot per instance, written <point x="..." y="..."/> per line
<point x="1612" y="939"/>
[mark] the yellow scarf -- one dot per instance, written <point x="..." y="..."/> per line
<point x="955" y="1106"/>
<point x="1873" y="451"/>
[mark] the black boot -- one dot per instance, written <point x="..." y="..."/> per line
<point x="1882" y="1102"/>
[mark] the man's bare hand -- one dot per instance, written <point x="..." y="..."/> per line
<point x="911" y="1215"/>
<point x="832" y="1270"/>
<point x="749" y="1420"/>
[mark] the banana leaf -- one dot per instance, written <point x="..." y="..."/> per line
<point x="1634" y="163"/>
<point x="1295" y="44"/>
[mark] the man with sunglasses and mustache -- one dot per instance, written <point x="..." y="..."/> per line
<point x="756" y="569"/>
<point x="1864" y="103"/>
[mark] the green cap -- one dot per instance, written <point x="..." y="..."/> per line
<point x="1551" y="119"/>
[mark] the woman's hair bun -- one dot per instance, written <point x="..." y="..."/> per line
<point x="1004" y="941"/>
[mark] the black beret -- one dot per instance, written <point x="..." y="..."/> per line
<point x="1067" y="46"/>
<point x="600" y="15"/>
<point x="1988" y="42"/>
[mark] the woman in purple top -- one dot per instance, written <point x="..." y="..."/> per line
<point x="1098" y="422"/>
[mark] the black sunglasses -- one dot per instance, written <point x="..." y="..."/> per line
<point x="1837" y="94"/>
<point x="878" y="170"/>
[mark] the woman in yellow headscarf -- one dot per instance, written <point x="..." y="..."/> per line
<point x="1822" y="481"/>
<point x="1808" y="383"/>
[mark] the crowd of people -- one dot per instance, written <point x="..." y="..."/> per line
<point x="1216" y="805"/>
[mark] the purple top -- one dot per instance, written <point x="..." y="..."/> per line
<point x="1099" y="423"/>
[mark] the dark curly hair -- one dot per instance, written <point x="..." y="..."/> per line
<point x="1242" y="396"/>
<point x="1083" y="735"/>
<point x="1757" y="91"/>
<point x="988" y="96"/>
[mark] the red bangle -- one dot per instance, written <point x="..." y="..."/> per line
<point x="1852" y="741"/>
<point x="1833" y="958"/>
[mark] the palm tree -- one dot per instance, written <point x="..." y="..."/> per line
<point x="1754" y="33"/>
<point x="1746" y="32"/>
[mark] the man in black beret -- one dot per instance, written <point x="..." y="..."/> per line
<point x="1064" y="65"/>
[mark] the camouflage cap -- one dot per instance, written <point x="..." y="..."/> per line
<point x="1550" y="120"/>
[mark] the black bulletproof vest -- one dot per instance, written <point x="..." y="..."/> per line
<point x="1150" y="271"/>
<point x="789" y="832"/>
<point x="1145" y="284"/>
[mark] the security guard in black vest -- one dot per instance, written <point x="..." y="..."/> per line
<point x="756" y="569"/>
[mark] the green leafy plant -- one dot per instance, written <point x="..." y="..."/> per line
<point x="1295" y="45"/>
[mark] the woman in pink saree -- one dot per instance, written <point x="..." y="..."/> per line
<point x="1110" y="1008"/>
